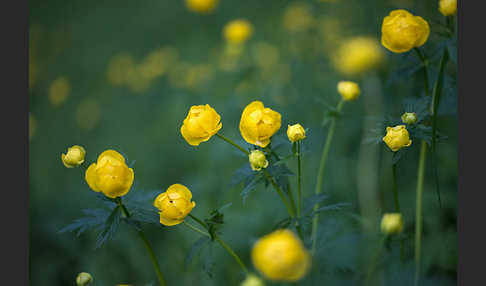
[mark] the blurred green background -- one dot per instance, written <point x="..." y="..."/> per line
<point x="123" y="74"/>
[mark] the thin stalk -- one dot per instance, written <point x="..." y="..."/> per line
<point x="196" y="229"/>
<point x="299" y="179"/>
<point x="297" y="223"/>
<point x="424" y="60"/>
<point x="418" y="212"/>
<point x="279" y="192"/>
<point x="149" y="249"/>
<point x="232" y="143"/>
<point x="397" y="205"/>
<point x="374" y="260"/>
<point x="320" y="174"/>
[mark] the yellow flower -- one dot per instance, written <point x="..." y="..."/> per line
<point x="84" y="279"/>
<point x="402" y="31"/>
<point x="257" y="160"/>
<point x="252" y="280"/>
<point x="238" y="31"/>
<point x="295" y="132"/>
<point x="59" y="91"/>
<point x="110" y="175"/>
<point x="297" y="17"/>
<point x="201" y="6"/>
<point x="448" y="7"/>
<point x="392" y="223"/>
<point x="397" y="137"/>
<point x="74" y="157"/>
<point x="174" y="204"/>
<point x="258" y="124"/>
<point x="280" y="256"/>
<point x="409" y="118"/>
<point x="349" y="90"/>
<point x="357" y="55"/>
<point x="201" y="123"/>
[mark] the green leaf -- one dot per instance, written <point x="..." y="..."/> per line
<point x="140" y="204"/>
<point x="310" y="201"/>
<point x="284" y="223"/>
<point x="250" y="185"/>
<point x="110" y="227"/>
<point x="94" y="219"/>
<point x="195" y="249"/>
<point x="334" y="207"/>
<point x="412" y="66"/>
<point x="241" y="175"/>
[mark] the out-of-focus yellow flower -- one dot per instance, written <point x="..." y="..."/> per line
<point x="257" y="160"/>
<point x="392" y="223"/>
<point x="110" y="175"/>
<point x="295" y="132"/>
<point x="397" y="137"/>
<point x="265" y="55"/>
<point x="32" y="126"/>
<point x="330" y="30"/>
<point x="120" y="68"/>
<point x="74" y="157"/>
<point x="202" y="6"/>
<point x="281" y="256"/>
<point x="88" y="114"/>
<point x="357" y="55"/>
<point x="238" y="31"/>
<point x="201" y="123"/>
<point x="258" y="123"/>
<point x="59" y="91"/>
<point x="409" y="118"/>
<point x="174" y="204"/>
<point x="348" y="90"/>
<point x="297" y="17"/>
<point x="197" y="75"/>
<point x="84" y="279"/>
<point x="448" y="7"/>
<point x="401" y="31"/>
<point x="252" y="280"/>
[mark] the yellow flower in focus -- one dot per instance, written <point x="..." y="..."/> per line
<point x="74" y="157"/>
<point x="110" y="175"/>
<point x="401" y="31"/>
<point x="252" y="280"/>
<point x="59" y="91"/>
<point x="84" y="279"/>
<point x="392" y="223"/>
<point x="348" y="90"/>
<point x="409" y="118"/>
<point x="295" y="132"/>
<point x="201" y="123"/>
<point x="357" y="55"/>
<point x="397" y="137"/>
<point x="257" y="160"/>
<point x="258" y="123"/>
<point x="281" y="256"/>
<point x="448" y="7"/>
<point x="174" y="204"/>
<point x="201" y="6"/>
<point x="297" y="17"/>
<point x="238" y="31"/>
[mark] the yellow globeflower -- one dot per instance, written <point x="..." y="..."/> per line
<point x="84" y="279"/>
<point x="297" y="17"/>
<point x="392" y="223"/>
<point x="348" y="90"/>
<point x="252" y="280"/>
<point x="238" y="31"/>
<point x="281" y="256"/>
<point x="357" y="55"/>
<point x="448" y="7"/>
<point x="174" y="204"/>
<point x="201" y="123"/>
<point x="74" y="157"/>
<point x="110" y="175"/>
<point x="409" y="118"/>
<point x="259" y="123"/>
<point x="257" y="160"/>
<point x="295" y="132"/>
<point x="401" y="31"/>
<point x="397" y="137"/>
<point x="201" y="6"/>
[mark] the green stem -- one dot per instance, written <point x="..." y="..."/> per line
<point x="297" y="223"/>
<point x="424" y="60"/>
<point x="140" y="233"/>
<point x="374" y="260"/>
<point x="196" y="229"/>
<point x="320" y="174"/>
<point x="279" y="192"/>
<point x="397" y="206"/>
<point x="233" y="143"/>
<point x="418" y="213"/>
<point x="299" y="179"/>
<point x="198" y="221"/>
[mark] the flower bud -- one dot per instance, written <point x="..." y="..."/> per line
<point x="281" y="256"/>
<point x="201" y="6"/>
<point x="258" y="123"/>
<point x="409" y="118"/>
<point x="448" y="7"/>
<point x="84" y="279"/>
<point x="295" y="132"/>
<point x="201" y="123"/>
<point x="237" y="31"/>
<point x="257" y="160"/>
<point x="397" y="137"/>
<point x="74" y="157"/>
<point x="401" y="31"/>
<point x="174" y="204"/>
<point x="349" y="90"/>
<point x="392" y="223"/>
<point x="252" y="280"/>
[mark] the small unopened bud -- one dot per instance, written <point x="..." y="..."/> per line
<point x="74" y="156"/>
<point x="84" y="279"/>
<point x="409" y="118"/>
<point x="295" y="132"/>
<point x="392" y="223"/>
<point x="349" y="90"/>
<point x="257" y="160"/>
<point x="252" y="280"/>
